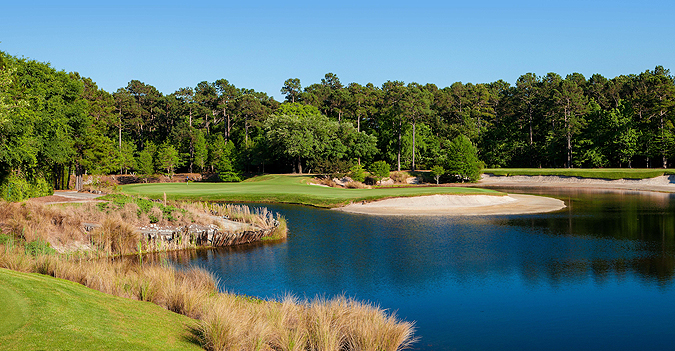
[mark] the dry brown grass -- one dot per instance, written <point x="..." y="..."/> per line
<point x="30" y="221"/>
<point x="258" y="216"/>
<point x="328" y="181"/>
<point x="399" y="176"/>
<point x="116" y="237"/>
<point x="62" y="225"/>
<point x="228" y="322"/>
<point x="356" y="185"/>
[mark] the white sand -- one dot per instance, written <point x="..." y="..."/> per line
<point x="661" y="184"/>
<point x="456" y="205"/>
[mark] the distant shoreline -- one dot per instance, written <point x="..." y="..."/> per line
<point x="664" y="184"/>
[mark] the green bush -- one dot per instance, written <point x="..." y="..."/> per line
<point x="379" y="170"/>
<point x="330" y="167"/>
<point x="462" y="161"/>
<point x="39" y="247"/>
<point x="437" y="172"/>
<point x="16" y="188"/>
<point x="357" y="173"/>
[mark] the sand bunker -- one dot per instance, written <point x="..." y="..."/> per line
<point x="457" y="205"/>
<point x="661" y="184"/>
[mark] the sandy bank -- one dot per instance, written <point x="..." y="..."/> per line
<point x="661" y="184"/>
<point x="457" y="205"/>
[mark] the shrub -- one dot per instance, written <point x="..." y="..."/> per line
<point x="226" y="172"/>
<point x="437" y="172"/>
<point x="379" y="169"/>
<point x="357" y="173"/>
<point x="463" y="160"/>
<point x="39" y="247"/>
<point x="355" y="185"/>
<point x="16" y="188"/>
<point x="399" y="177"/>
<point x="332" y="168"/>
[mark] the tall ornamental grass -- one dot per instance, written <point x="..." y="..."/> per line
<point x="227" y="321"/>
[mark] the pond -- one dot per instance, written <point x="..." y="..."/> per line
<point x="596" y="275"/>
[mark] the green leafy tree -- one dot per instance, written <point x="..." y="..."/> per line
<point x="379" y="169"/>
<point x="437" y="171"/>
<point x="302" y="134"/>
<point x="125" y="157"/>
<point x="462" y="159"/>
<point x="201" y="152"/>
<point x="292" y="89"/>
<point x="168" y="158"/>
<point x="571" y="105"/>
<point x="146" y="164"/>
<point x="357" y="173"/>
<point x="226" y="169"/>
<point x="216" y="151"/>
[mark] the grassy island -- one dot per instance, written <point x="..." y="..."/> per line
<point x="287" y="189"/>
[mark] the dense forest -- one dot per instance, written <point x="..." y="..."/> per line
<point x="54" y="124"/>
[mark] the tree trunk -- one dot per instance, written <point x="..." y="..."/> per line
<point x="398" y="156"/>
<point x="358" y="123"/>
<point x="78" y="178"/>
<point x="663" y="143"/>
<point x="413" y="147"/>
<point x="299" y="165"/>
<point x="120" y="142"/>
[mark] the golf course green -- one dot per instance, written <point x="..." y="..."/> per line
<point x="286" y="189"/>
<point x="44" y="313"/>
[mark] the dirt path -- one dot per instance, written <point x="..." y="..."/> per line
<point x="66" y="196"/>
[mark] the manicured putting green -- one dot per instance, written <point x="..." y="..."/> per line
<point x="285" y="189"/>
<point x="43" y="313"/>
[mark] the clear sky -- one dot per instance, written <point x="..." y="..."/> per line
<point x="260" y="44"/>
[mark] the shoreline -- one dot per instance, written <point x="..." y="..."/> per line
<point x="457" y="205"/>
<point x="662" y="184"/>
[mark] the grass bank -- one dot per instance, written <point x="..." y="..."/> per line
<point x="286" y="189"/>
<point x="44" y="313"/>
<point x="602" y="173"/>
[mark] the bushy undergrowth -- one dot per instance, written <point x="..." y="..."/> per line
<point x="16" y="188"/>
<point x="227" y="321"/>
<point x="145" y="206"/>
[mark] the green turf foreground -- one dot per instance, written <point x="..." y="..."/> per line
<point x="39" y="312"/>
<point x="602" y="173"/>
<point x="285" y="189"/>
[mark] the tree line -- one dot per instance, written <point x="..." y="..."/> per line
<point x="53" y="124"/>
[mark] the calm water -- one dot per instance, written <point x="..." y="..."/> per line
<point x="596" y="276"/>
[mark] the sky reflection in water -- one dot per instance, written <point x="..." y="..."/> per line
<point x="597" y="275"/>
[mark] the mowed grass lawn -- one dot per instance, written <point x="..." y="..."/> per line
<point x="39" y="312"/>
<point x="603" y="173"/>
<point x="285" y="189"/>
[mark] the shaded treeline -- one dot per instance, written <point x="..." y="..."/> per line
<point x="53" y="124"/>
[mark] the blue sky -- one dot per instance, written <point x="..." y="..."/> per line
<point x="259" y="45"/>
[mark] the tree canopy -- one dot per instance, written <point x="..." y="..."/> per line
<point x="55" y="124"/>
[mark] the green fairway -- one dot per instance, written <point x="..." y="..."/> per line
<point x="603" y="173"/>
<point x="44" y="313"/>
<point x="285" y="189"/>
